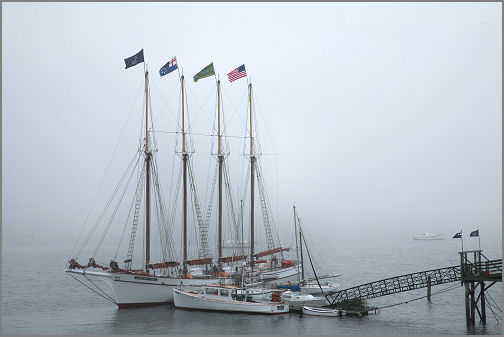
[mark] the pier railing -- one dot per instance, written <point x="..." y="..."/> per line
<point x="480" y="268"/>
<point x="394" y="285"/>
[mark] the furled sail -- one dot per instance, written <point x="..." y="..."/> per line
<point x="227" y="259"/>
<point x="160" y="265"/>
<point x="272" y="251"/>
<point x="198" y="262"/>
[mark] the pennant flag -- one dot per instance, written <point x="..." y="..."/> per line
<point x="458" y="235"/>
<point x="168" y="67"/>
<point x="205" y="72"/>
<point x="134" y="60"/>
<point x="475" y="233"/>
<point x="237" y="73"/>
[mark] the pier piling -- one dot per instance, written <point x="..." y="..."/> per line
<point x="429" y="288"/>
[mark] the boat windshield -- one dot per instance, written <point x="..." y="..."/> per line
<point x="211" y="291"/>
<point x="224" y="292"/>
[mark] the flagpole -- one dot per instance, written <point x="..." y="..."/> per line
<point x="462" y="240"/>
<point x="479" y="242"/>
<point x="178" y="68"/>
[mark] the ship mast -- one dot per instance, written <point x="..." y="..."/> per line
<point x="221" y="159"/>
<point x="295" y="235"/>
<point x="252" y="162"/>
<point x="184" y="159"/>
<point x="147" y="173"/>
<point x="301" y="249"/>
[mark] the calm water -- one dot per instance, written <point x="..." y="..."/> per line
<point x="39" y="298"/>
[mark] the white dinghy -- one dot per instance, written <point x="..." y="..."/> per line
<point x="316" y="311"/>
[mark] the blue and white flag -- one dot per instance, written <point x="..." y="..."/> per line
<point x="458" y="235"/>
<point x="474" y="233"/>
<point x="168" y="67"/>
<point x="134" y="60"/>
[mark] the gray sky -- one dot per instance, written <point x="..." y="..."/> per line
<point x="385" y="117"/>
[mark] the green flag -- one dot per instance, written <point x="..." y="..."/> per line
<point x="207" y="71"/>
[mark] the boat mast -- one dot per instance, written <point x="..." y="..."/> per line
<point x="184" y="159"/>
<point x="221" y="159"/>
<point x="241" y="213"/>
<point x="252" y="162"/>
<point x="311" y="263"/>
<point x="147" y="173"/>
<point x="295" y="235"/>
<point x="301" y="249"/>
<point x="243" y="249"/>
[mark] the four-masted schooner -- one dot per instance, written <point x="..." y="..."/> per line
<point x="153" y="283"/>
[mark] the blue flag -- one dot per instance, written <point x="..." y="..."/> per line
<point x="134" y="60"/>
<point x="475" y="233"/>
<point x="168" y="67"/>
<point x="458" y="235"/>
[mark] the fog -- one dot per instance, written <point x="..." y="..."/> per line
<point x="372" y="118"/>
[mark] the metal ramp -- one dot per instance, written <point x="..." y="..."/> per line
<point x="394" y="285"/>
<point x="491" y="269"/>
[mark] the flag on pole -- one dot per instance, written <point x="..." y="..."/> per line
<point x="205" y="72"/>
<point x="168" y="67"/>
<point x="459" y="236"/>
<point x="475" y="233"/>
<point x="134" y="60"/>
<point x="237" y="73"/>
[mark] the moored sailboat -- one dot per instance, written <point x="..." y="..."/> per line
<point x="276" y="269"/>
<point x="153" y="283"/>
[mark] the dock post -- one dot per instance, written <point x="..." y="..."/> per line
<point x="468" y="313"/>
<point x="428" y="288"/>
<point x="473" y="304"/>
<point x="482" y="295"/>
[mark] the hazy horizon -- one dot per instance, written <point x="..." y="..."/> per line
<point x="372" y="118"/>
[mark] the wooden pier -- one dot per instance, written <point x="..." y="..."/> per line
<point x="474" y="270"/>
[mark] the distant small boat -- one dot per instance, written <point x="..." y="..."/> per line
<point x="429" y="236"/>
<point x="226" y="299"/>
<point x="317" y="311"/>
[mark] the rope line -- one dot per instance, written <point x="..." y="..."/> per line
<point x="106" y="172"/>
<point x="85" y="285"/>
<point x="199" y="134"/>
<point x="418" y="298"/>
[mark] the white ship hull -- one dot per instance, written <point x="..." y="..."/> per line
<point x="130" y="290"/>
<point x="187" y="300"/>
<point x="429" y="236"/>
<point x="314" y="288"/>
<point x="280" y="276"/>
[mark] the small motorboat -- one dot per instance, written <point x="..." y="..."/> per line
<point x="317" y="311"/>
<point x="226" y="299"/>
<point x="313" y="288"/>
<point x="428" y="236"/>
<point x="296" y="300"/>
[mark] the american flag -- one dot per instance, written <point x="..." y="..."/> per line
<point x="237" y="73"/>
